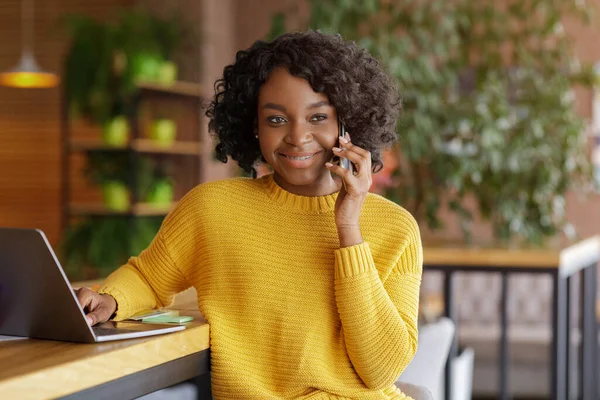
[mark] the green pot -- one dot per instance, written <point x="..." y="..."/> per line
<point x="167" y="73"/>
<point x="116" y="196"/>
<point x="163" y="132"/>
<point x="161" y="194"/>
<point x="146" y="67"/>
<point x="115" y="132"/>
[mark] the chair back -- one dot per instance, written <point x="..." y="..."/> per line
<point x="427" y="367"/>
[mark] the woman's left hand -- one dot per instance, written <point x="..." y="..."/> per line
<point x="355" y="184"/>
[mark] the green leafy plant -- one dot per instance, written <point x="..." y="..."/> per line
<point x="104" y="167"/>
<point x="103" y="67"/>
<point x="107" y="59"/>
<point x="96" y="245"/>
<point x="488" y="105"/>
<point x="105" y="243"/>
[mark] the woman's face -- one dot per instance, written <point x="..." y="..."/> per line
<point x="297" y="128"/>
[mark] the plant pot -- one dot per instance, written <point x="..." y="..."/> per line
<point x="161" y="194"/>
<point x="163" y="132"/>
<point x="167" y="73"/>
<point x="116" y="196"/>
<point x="146" y="67"/>
<point x="115" y="133"/>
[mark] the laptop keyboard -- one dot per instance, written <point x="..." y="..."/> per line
<point x="110" y="331"/>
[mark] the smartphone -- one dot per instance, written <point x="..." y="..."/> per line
<point x="344" y="162"/>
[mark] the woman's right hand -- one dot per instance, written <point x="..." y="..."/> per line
<point x="97" y="307"/>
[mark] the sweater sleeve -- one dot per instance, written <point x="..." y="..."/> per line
<point x="379" y="318"/>
<point x="147" y="281"/>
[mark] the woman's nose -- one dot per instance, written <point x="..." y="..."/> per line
<point x="299" y="134"/>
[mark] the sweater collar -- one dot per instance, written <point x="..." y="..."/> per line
<point x="304" y="204"/>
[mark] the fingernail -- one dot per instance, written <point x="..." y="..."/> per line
<point x="344" y="140"/>
<point x="89" y="320"/>
<point x="336" y="149"/>
<point x="328" y="164"/>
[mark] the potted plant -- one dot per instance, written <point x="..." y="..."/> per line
<point x="98" y="244"/>
<point x="116" y="131"/>
<point x="106" y="61"/>
<point x="163" y="132"/>
<point x="112" y="172"/>
<point x="154" y="183"/>
<point x="116" y="195"/>
<point x="161" y="193"/>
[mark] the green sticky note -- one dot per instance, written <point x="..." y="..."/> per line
<point x="167" y="319"/>
<point x="152" y="313"/>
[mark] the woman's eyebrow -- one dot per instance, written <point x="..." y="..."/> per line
<point x="318" y="104"/>
<point x="279" y="107"/>
<point x="274" y="106"/>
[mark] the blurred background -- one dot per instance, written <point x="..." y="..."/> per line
<point x="499" y="140"/>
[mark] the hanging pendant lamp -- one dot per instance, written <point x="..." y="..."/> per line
<point x="27" y="73"/>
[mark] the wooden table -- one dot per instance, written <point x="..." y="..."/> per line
<point x="561" y="261"/>
<point x="43" y="369"/>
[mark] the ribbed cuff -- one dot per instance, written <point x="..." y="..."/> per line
<point x="353" y="260"/>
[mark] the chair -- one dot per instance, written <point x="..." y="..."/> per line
<point x="427" y="367"/>
<point x="414" y="391"/>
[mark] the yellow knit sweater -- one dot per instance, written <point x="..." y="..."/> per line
<point x="292" y="315"/>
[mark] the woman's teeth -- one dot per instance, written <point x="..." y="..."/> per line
<point x="298" y="158"/>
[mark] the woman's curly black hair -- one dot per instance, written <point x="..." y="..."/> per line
<point x="365" y="97"/>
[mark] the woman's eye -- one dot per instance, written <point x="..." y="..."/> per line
<point x="276" y="120"/>
<point x="319" y="117"/>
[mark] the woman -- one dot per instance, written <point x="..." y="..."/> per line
<point x="310" y="284"/>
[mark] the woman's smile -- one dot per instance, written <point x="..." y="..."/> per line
<point x="299" y="160"/>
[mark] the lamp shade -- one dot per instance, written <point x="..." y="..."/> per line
<point x="28" y="74"/>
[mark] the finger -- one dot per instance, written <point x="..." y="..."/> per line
<point x="101" y="314"/>
<point x="89" y="302"/>
<point x="347" y="143"/>
<point x="84" y="296"/>
<point x="91" y="318"/>
<point x="362" y="152"/>
<point x="361" y="164"/>
<point x="345" y="174"/>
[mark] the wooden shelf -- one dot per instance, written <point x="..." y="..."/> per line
<point x="140" y="145"/>
<point x="153" y="100"/>
<point x="178" y="147"/>
<point x="177" y="88"/>
<point x="138" y="210"/>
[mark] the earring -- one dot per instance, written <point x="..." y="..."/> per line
<point x="256" y="136"/>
